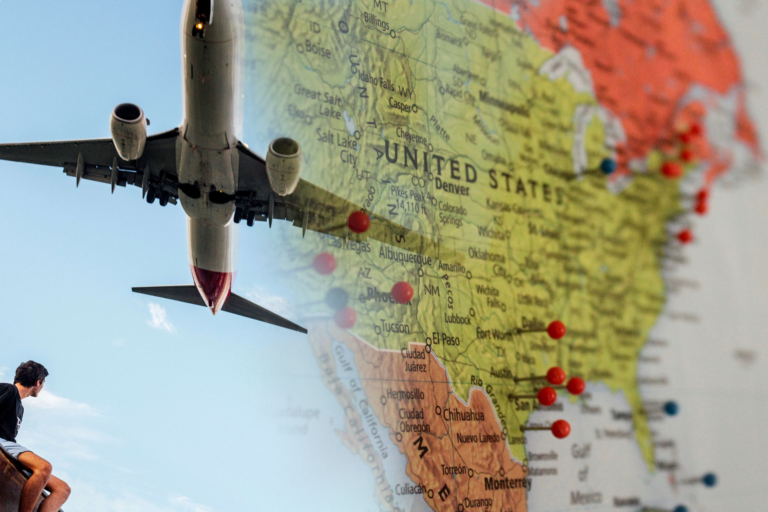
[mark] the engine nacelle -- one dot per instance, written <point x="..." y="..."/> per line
<point x="284" y="165"/>
<point x="129" y="131"/>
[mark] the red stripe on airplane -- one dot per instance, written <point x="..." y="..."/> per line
<point x="214" y="287"/>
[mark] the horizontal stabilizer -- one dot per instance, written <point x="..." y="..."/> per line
<point x="235" y="304"/>
<point x="182" y="293"/>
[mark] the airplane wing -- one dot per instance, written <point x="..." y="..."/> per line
<point x="309" y="207"/>
<point x="97" y="160"/>
<point x="313" y="208"/>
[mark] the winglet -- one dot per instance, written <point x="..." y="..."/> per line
<point x="80" y="170"/>
<point x="115" y="174"/>
<point x="145" y="182"/>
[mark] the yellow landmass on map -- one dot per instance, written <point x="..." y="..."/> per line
<point x="471" y="134"/>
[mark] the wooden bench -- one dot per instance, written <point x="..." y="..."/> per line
<point x="13" y="476"/>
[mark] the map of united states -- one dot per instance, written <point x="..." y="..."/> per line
<point x="484" y="128"/>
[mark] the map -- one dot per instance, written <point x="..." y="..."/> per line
<point x="493" y="129"/>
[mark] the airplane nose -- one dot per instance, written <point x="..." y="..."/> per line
<point x="214" y="287"/>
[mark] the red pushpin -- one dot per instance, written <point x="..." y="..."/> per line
<point x="702" y="196"/>
<point x="576" y="386"/>
<point x="555" y="376"/>
<point x="687" y="156"/>
<point x="346" y="318"/>
<point x="696" y="130"/>
<point x="560" y="429"/>
<point x="546" y="396"/>
<point x="358" y="222"/>
<point x="671" y="170"/>
<point x="324" y="263"/>
<point x="555" y="330"/>
<point x="685" y="236"/>
<point x="701" y="207"/>
<point x="402" y="292"/>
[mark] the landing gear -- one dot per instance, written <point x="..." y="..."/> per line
<point x="151" y="194"/>
<point x="164" y="196"/>
<point x="251" y="217"/>
<point x="238" y="215"/>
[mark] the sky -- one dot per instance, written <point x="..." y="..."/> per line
<point x="153" y="405"/>
<point x="150" y="405"/>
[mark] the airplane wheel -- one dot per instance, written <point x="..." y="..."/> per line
<point x="164" y="195"/>
<point x="151" y="195"/>
<point x="238" y="215"/>
<point x="251" y="217"/>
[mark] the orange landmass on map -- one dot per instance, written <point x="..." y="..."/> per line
<point x="644" y="62"/>
<point x="353" y="435"/>
<point x="457" y="453"/>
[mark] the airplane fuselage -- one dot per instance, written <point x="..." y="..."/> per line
<point x="212" y="75"/>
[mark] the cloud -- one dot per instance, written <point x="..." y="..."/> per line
<point x="72" y="436"/>
<point x="86" y="498"/>
<point x="184" y="503"/>
<point x="50" y="402"/>
<point x="274" y="303"/>
<point x="159" y="318"/>
<point x="62" y="429"/>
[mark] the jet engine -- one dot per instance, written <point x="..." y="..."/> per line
<point x="129" y="131"/>
<point x="284" y="165"/>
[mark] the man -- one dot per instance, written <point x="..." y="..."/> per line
<point x="29" y="380"/>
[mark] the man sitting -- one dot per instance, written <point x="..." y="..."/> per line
<point x="29" y="380"/>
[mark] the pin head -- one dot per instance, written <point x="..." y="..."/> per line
<point x="685" y="236"/>
<point x="576" y="386"/>
<point x="680" y="508"/>
<point x="346" y="318"/>
<point x="561" y="429"/>
<point x="701" y="207"/>
<point x="336" y="298"/>
<point x="687" y="155"/>
<point x="710" y="480"/>
<point x="702" y="196"/>
<point x="671" y="408"/>
<point x="696" y="130"/>
<point x="556" y="376"/>
<point x="672" y="170"/>
<point x="324" y="263"/>
<point x="358" y="222"/>
<point x="547" y="396"/>
<point x="608" y="166"/>
<point x="556" y="330"/>
<point x="402" y="292"/>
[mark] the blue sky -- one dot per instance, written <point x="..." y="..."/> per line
<point x="148" y="407"/>
<point x="155" y="406"/>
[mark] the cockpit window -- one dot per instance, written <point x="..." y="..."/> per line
<point x="203" y="17"/>
<point x="204" y="12"/>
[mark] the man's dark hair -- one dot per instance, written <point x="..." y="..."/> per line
<point x="27" y="374"/>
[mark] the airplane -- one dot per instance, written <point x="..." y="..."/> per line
<point x="204" y="165"/>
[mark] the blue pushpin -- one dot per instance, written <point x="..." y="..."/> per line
<point x="608" y="166"/>
<point x="671" y="408"/>
<point x="710" y="479"/>
<point x="336" y="298"/>
<point x="680" y="508"/>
